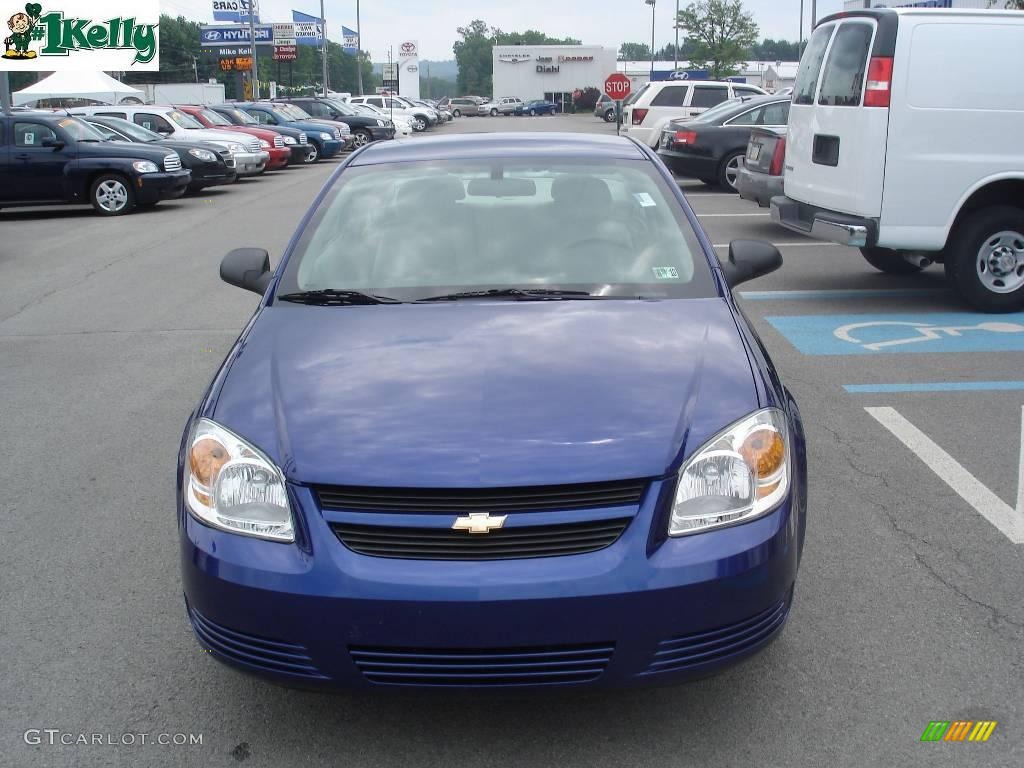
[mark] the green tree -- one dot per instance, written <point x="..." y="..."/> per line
<point x="722" y="32"/>
<point x="634" y="52"/>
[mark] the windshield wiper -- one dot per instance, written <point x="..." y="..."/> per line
<point x="332" y="297"/>
<point x="521" y="294"/>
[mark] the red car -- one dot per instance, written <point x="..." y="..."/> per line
<point x="270" y="141"/>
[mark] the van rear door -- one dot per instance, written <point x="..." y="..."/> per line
<point x="839" y="121"/>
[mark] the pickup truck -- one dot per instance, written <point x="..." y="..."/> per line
<point x="47" y="158"/>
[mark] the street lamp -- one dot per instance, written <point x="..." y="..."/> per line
<point x="675" y="23"/>
<point x="651" y="3"/>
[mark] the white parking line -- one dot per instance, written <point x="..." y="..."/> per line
<point x="725" y="215"/>
<point x="793" y="245"/>
<point x="1008" y="520"/>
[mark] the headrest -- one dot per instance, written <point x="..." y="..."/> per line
<point x="582" y="191"/>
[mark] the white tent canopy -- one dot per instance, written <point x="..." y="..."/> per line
<point x="79" y="85"/>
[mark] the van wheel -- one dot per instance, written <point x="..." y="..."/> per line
<point x="111" y="195"/>
<point x="889" y="261"/>
<point x="985" y="259"/>
<point x="729" y="171"/>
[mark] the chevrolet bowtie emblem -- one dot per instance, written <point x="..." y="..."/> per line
<point x="478" y="522"/>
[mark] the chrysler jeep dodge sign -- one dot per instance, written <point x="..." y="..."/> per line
<point x="81" y="34"/>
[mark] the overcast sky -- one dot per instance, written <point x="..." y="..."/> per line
<point x="433" y="22"/>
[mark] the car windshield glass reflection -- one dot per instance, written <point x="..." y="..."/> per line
<point x="420" y="230"/>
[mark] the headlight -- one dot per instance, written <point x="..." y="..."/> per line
<point x="264" y="144"/>
<point x="739" y="475"/>
<point x="231" y="485"/>
<point x="290" y="140"/>
<point x="202" y="154"/>
<point x="380" y="123"/>
<point x="326" y="137"/>
<point x="145" y="166"/>
<point x="236" y="149"/>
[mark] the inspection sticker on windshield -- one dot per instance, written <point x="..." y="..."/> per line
<point x="645" y="200"/>
<point x="665" y="273"/>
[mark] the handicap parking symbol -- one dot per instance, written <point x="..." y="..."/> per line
<point x="897" y="334"/>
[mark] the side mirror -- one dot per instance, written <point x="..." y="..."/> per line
<point x="55" y="144"/>
<point x="749" y="259"/>
<point x="247" y="268"/>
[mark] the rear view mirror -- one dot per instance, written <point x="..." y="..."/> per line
<point x="749" y="259"/>
<point x="247" y="268"/>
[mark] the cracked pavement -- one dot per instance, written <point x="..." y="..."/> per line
<point x="908" y="607"/>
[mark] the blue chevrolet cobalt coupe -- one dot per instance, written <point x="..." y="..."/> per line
<point x="437" y="458"/>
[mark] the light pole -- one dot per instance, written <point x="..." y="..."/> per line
<point x="800" y="43"/>
<point x="675" y="64"/>
<point x="323" y="45"/>
<point x="252" y="38"/>
<point x="651" y="3"/>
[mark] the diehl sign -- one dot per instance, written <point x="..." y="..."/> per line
<point x="548" y="69"/>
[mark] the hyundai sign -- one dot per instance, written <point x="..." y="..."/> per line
<point x="211" y="36"/>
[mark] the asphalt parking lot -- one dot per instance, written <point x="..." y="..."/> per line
<point x="908" y="608"/>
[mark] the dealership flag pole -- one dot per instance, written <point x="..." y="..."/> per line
<point x="252" y="40"/>
<point x="323" y="44"/>
<point x="359" y="50"/>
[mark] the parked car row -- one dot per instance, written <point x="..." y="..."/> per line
<point x="477" y="106"/>
<point x="123" y="157"/>
<point x="868" y="148"/>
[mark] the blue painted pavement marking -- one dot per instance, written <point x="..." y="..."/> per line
<point x="902" y="333"/>
<point x="937" y="386"/>
<point x="867" y="293"/>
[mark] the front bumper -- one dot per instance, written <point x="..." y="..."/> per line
<point x="330" y="147"/>
<point x="250" y="163"/>
<point x="638" y="612"/>
<point x="211" y="175"/>
<point x="758" y="187"/>
<point x="381" y="132"/>
<point x="842" y="228"/>
<point x="279" y="157"/>
<point x="153" y="187"/>
<point x="298" y="152"/>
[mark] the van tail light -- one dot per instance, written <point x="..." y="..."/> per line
<point x="685" y="137"/>
<point x="879" y="86"/>
<point x="778" y="157"/>
<point x="639" y="115"/>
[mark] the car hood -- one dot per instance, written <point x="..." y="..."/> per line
<point x="485" y="393"/>
<point x="216" y="136"/>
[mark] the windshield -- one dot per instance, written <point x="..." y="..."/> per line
<point x="719" y="110"/>
<point x="106" y="133"/>
<point x="416" y="230"/>
<point x="185" y="121"/>
<point x="214" y="117"/>
<point x="79" y="130"/>
<point x="136" y="132"/>
<point x="343" y="108"/>
<point x="297" y="113"/>
<point x="241" y="117"/>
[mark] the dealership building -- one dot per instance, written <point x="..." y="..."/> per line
<point x="550" y="72"/>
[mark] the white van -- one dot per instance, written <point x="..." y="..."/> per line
<point x="645" y="115"/>
<point x="906" y="140"/>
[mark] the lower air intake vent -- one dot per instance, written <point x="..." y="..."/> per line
<point x="689" y="651"/>
<point x="260" y="653"/>
<point x="481" y="667"/>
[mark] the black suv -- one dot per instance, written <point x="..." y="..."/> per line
<point x="47" y="158"/>
<point x="364" y="128"/>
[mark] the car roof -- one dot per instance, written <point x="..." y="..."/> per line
<point x="489" y="145"/>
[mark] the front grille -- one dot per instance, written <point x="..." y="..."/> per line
<point x="514" y="543"/>
<point x="303" y="139"/>
<point x="253" y="146"/>
<point x="172" y="163"/>
<point x="689" y="651"/>
<point x="337" y="134"/>
<point x="537" y="498"/>
<point x="251" y="651"/>
<point x="476" y="667"/>
<point x="278" y="142"/>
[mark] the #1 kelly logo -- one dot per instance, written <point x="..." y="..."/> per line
<point x="100" y="39"/>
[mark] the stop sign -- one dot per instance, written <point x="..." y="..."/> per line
<point x="617" y="86"/>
